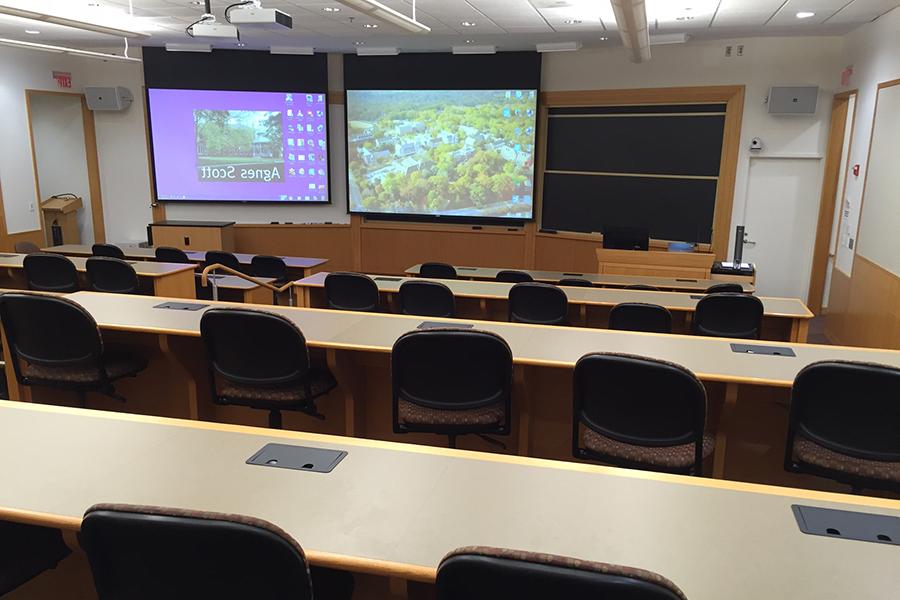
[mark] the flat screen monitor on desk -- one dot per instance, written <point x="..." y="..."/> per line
<point x="626" y="238"/>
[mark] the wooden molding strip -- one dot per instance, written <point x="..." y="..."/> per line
<point x="634" y="115"/>
<point x="638" y="175"/>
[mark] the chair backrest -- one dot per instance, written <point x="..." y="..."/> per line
<point x="49" y="331"/>
<point x="252" y="347"/>
<point x="351" y="291"/>
<point x="481" y="573"/>
<point x="538" y="304"/>
<point x="642" y="286"/>
<point x="107" y="250"/>
<point x="426" y="298"/>
<point x="171" y="255"/>
<point x="451" y="368"/>
<point x="50" y="273"/>
<point x="848" y="407"/>
<point x="221" y="257"/>
<point x="729" y="314"/>
<point x="150" y="553"/>
<point x="639" y="400"/>
<point x="437" y="270"/>
<point x="112" y="275"/>
<point x="510" y="276"/>
<point x="575" y="282"/>
<point x="639" y="316"/>
<point x="26" y="247"/>
<point x="718" y="288"/>
<point x="263" y="265"/>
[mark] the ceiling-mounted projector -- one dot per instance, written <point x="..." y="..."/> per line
<point x="210" y="28"/>
<point x="257" y="16"/>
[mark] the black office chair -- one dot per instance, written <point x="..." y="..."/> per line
<point x="451" y="382"/>
<point x="509" y="276"/>
<point x="151" y="553"/>
<point x="263" y="265"/>
<point x="843" y="424"/>
<point x="171" y="255"/>
<point x="351" y="291"/>
<point x="26" y="247"/>
<point x="575" y="282"/>
<point x="55" y="343"/>
<point x="107" y="250"/>
<point x="642" y="286"/>
<point x="223" y="258"/>
<point x="538" y="304"/>
<point x="47" y="272"/>
<point x="729" y="314"/>
<point x="638" y="412"/>
<point x="483" y="573"/>
<point x="719" y="288"/>
<point x="638" y="316"/>
<point x="437" y="270"/>
<point x="112" y="275"/>
<point x="260" y="360"/>
<point x="26" y="551"/>
<point x="426" y="298"/>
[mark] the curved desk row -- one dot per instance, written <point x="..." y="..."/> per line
<point x="394" y="510"/>
<point x="784" y="319"/>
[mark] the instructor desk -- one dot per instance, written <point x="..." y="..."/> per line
<point x="395" y="509"/>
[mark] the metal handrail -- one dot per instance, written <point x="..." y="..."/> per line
<point x="204" y="281"/>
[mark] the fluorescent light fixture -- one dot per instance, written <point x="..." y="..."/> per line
<point x="379" y="11"/>
<point x="805" y="14"/>
<point x="559" y="47"/>
<point x="669" y="38"/>
<point x="65" y="50"/>
<point x="177" y="47"/>
<point x="362" y="51"/>
<point x="474" y="49"/>
<point x="300" y="50"/>
<point x="631" y="17"/>
<point x="36" y="15"/>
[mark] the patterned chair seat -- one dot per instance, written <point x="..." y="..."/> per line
<point x="819" y="456"/>
<point x="412" y="414"/>
<point x="117" y="366"/>
<point x="321" y="382"/>
<point x="671" y="457"/>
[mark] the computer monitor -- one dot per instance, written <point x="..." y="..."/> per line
<point x="626" y="238"/>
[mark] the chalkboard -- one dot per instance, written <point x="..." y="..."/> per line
<point x="649" y="166"/>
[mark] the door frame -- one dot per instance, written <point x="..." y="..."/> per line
<point x="833" y="158"/>
<point x="90" y="152"/>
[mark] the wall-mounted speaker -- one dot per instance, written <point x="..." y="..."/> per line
<point x="793" y="100"/>
<point x="108" y="98"/>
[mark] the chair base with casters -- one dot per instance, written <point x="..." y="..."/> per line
<point x="26" y="551"/>
<point x="298" y="397"/>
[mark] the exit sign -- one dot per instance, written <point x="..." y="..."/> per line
<point x="63" y="79"/>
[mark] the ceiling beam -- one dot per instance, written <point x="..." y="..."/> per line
<point x="631" y="18"/>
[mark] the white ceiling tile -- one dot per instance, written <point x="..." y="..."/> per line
<point x="824" y="9"/>
<point x="745" y="13"/>
<point x="863" y="11"/>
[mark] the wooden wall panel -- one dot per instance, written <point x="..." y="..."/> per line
<point x="391" y="248"/>
<point x="871" y="317"/>
<point x="838" y="303"/>
<point x="35" y="236"/>
<point x="313" y="240"/>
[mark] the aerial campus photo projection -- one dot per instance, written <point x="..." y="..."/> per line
<point x="442" y="152"/>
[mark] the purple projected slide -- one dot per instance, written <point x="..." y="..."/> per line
<point x="225" y="146"/>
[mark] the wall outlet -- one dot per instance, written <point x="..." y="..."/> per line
<point x="740" y="50"/>
<point x="728" y="50"/>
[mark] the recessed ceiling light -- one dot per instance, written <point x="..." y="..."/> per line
<point x="32" y="31"/>
<point x="468" y="24"/>
<point x="805" y="14"/>
<point x="331" y="9"/>
<point x="572" y="22"/>
<point x="370" y="25"/>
